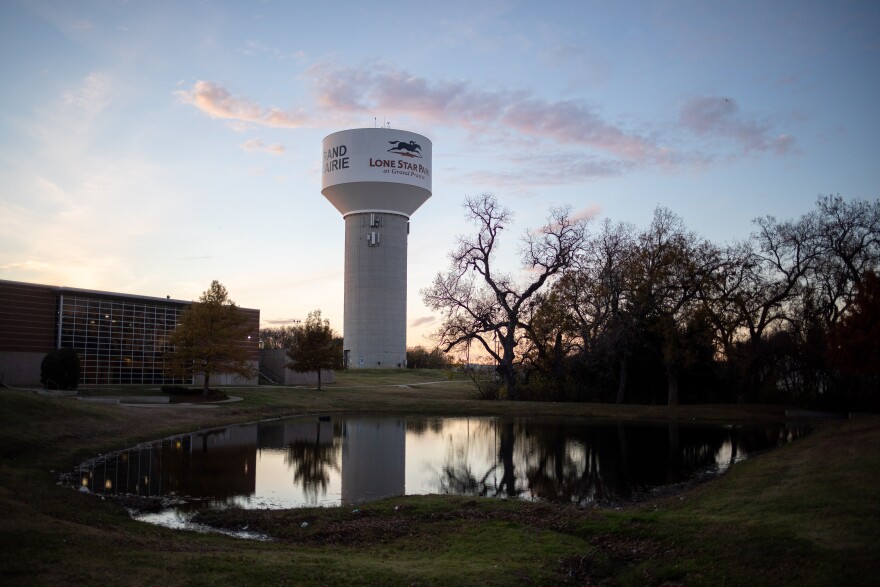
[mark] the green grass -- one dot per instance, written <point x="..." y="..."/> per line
<point x="805" y="514"/>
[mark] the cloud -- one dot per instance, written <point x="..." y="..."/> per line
<point x="252" y="48"/>
<point x="83" y="24"/>
<point x="95" y="93"/>
<point x="718" y="117"/>
<point x="525" y="172"/>
<point x="25" y="266"/>
<point x="532" y="141"/>
<point x="217" y="102"/>
<point x="378" y="87"/>
<point x="283" y="321"/>
<point x="423" y="321"/>
<point x="588" y="213"/>
<point x="258" y="145"/>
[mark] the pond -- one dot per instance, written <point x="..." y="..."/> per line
<point x="352" y="459"/>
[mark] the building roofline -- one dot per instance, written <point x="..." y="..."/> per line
<point x="63" y="289"/>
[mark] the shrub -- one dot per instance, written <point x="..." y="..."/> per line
<point x="188" y="393"/>
<point x="179" y="390"/>
<point x="60" y="369"/>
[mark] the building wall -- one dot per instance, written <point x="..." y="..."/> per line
<point x="27" y="331"/>
<point x="121" y="338"/>
<point x="374" y="329"/>
<point x="275" y="361"/>
<point x="27" y="317"/>
<point x="20" y="369"/>
<point x="231" y="378"/>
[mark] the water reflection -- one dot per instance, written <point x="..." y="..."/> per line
<point x="352" y="459"/>
<point x="312" y="455"/>
<point x="373" y="459"/>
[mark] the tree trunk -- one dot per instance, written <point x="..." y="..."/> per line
<point x="674" y="454"/>
<point x="672" y="384"/>
<point x="621" y="386"/>
<point x="206" y="388"/>
<point x="558" y="360"/>
<point x="505" y="455"/>
<point x="505" y="368"/>
<point x="508" y="379"/>
<point x="319" y="380"/>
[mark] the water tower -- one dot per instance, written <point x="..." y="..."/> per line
<point x="376" y="177"/>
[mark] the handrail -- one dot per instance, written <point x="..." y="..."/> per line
<point x="271" y="375"/>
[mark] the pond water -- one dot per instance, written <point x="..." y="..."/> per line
<point x="347" y="460"/>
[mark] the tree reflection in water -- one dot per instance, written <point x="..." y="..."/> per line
<point x="458" y="478"/>
<point x="597" y="463"/>
<point x="312" y="462"/>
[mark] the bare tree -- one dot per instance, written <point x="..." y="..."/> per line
<point x="480" y="303"/>
<point x="767" y="281"/>
<point x="846" y="242"/>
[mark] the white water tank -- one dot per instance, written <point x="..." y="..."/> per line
<point x="376" y="178"/>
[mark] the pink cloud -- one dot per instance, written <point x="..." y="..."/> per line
<point x="423" y="321"/>
<point x="526" y="173"/>
<point x="380" y="88"/>
<point x="543" y="142"/>
<point x="217" y="102"/>
<point x="717" y="117"/>
<point x="253" y="145"/>
<point x="573" y="123"/>
<point x="588" y="213"/>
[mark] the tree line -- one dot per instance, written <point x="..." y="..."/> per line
<point x="613" y="313"/>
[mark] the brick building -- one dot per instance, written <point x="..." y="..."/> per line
<point x="120" y="338"/>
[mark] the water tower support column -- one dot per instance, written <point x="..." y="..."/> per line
<point x="375" y="289"/>
<point x="376" y="178"/>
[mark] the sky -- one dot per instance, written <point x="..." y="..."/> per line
<point x="152" y="147"/>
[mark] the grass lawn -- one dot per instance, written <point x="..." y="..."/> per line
<point x="805" y="514"/>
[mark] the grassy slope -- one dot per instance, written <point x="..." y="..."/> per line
<point x="804" y="514"/>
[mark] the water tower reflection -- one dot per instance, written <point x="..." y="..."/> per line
<point x="373" y="459"/>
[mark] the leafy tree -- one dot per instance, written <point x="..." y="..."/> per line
<point x="419" y="357"/>
<point x="854" y="344"/>
<point x="490" y="307"/>
<point x="670" y="267"/>
<point x="277" y="338"/>
<point x="595" y="296"/>
<point x="60" y="369"/>
<point x="314" y="347"/>
<point x="548" y="344"/>
<point x="210" y="338"/>
<point x="855" y="340"/>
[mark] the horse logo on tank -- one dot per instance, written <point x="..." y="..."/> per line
<point x="406" y="149"/>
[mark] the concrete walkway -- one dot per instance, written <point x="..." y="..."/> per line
<point x="152" y="401"/>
